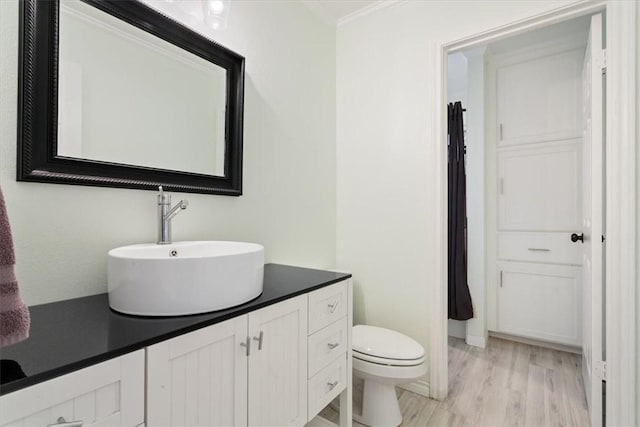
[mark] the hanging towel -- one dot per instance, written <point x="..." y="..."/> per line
<point x="14" y="315"/>
<point x="460" y="304"/>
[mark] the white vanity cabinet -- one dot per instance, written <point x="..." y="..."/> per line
<point x="264" y="368"/>
<point x="110" y="394"/>
<point x="276" y="366"/>
<point x="250" y="370"/>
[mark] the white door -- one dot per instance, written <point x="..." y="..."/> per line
<point x="200" y="378"/>
<point x="592" y="367"/>
<point x="278" y="364"/>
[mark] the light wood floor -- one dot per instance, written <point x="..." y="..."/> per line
<point x="506" y="384"/>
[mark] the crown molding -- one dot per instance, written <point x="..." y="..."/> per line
<point x="374" y="7"/>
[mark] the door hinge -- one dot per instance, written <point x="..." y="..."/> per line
<point x="603" y="59"/>
<point x="600" y="370"/>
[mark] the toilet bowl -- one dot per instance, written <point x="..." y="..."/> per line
<point x="383" y="359"/>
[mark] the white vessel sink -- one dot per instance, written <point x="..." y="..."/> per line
<point x="184" y="277"/>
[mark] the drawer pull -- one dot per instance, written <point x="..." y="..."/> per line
<point x="332" y="385"/>
<point x="259" y="339"/>
<point x="61" y="422"/>
<point x="333" y="345"/>
<point x="332" y="306"/>
<point x="539" y="250"/>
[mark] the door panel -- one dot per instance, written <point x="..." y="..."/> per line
<point x="592" y="225"/>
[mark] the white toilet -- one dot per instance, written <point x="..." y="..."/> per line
<point x="383" y="359"/>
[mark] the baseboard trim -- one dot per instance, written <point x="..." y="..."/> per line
<point x="420" y="387"/>
<point x="476" y="341"/>
<point x="532" y="341"/>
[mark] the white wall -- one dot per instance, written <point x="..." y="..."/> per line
<point x="457" y="81"/>
<point x="638" y="211"/>
<point x="62" y="233"/>
<point x="476" y="198"/>
<point x="385" y="150"/>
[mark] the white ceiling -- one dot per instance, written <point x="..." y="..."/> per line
<point x="336" y="11"/>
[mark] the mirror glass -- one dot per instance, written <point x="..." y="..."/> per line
<point x="128" y="97"/>
<point x="113" y="93"/>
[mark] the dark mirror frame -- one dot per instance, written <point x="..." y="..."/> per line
<point x="38" y="105"/>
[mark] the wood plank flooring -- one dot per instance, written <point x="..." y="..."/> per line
<point x="506" y="384"/>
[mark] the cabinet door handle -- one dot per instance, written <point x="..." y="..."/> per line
<point x="259" y="339"/>
<point x="539" y="250"/>
<point x="247" y="344"/>
<point x="332" y="385"/>
<point x="333" y="345"/>
<point x="500" y="278"/>
<point x="61" y="422"/>
<point x="332" y="306"/>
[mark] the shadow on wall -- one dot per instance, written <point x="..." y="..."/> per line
<point x="359" y="317"/>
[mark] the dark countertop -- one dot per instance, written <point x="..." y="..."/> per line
<point x="69" y="335"/>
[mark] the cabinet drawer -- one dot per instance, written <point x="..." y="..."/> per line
<point x="110" y="393"/>
<point x="326" y="385"/>
<point x="553" y="248"/>
<point x="327" y="305"/>
<point x="326" y="345"/>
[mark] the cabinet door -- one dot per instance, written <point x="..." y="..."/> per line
<point x="278" y="364"/>
<point x="539" y="100"/>
<point x="540" y="189"/>
<point x="110" y="393"/>
<point x="200" y="378"/>
<point x="540" y="301"/>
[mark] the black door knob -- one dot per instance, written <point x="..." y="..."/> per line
<point x="575" y="237"/>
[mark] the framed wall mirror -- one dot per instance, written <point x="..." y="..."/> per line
<point x="113" y="93"/>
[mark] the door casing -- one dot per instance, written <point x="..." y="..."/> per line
<point x="620" y="204"/>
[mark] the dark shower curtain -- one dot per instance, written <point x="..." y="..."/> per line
<point x="460" y="307"/>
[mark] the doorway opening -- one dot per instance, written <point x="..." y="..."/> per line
<point x="534" y="231"/>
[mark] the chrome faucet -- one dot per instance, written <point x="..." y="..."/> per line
<point x="166" y="214"/>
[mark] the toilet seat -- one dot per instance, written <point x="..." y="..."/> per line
<point x="385" y="347"/>
<point x="387" y="361"/>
